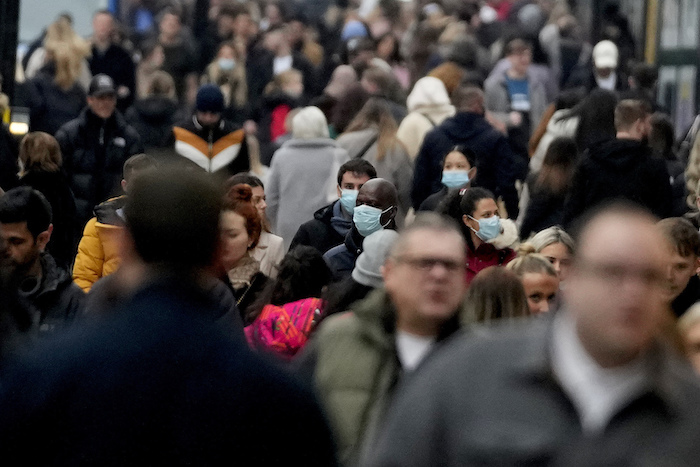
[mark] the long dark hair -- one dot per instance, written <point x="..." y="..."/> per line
<point x="303" y="273"/>
<point x="557" y="167"/>
<point x="341" y="295"/>
<point x="596" y="115"/>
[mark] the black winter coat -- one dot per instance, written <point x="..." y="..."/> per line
<point x="497" y="165"/>
<point x="153" y="119"/>
<point x="619" y="169"/>
<point x="51" y="107"/>
<point x="341" y="259"/>
<point x="94" y="152"/>
<point x="318" y="232"/>
<point x="54" y="186"/>
<point x="9" y="152"/>
<point x="55" y="304"/>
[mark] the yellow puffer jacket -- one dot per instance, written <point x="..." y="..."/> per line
<point x="98" y="251"/>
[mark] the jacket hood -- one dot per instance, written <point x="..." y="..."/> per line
<point x="465" y="125"/>
<point x="106" y="213"/>
<point x="156" y="109"/>
<point x="428" y="92"/>
<point x="618" y="154"/>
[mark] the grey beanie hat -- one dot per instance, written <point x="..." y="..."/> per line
<point x="375" y="250"/>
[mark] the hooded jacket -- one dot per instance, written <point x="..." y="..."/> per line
<point x="428" y="105"/>
<point x="98" y="251"/>
<point x="558" y="126"/>
<point x="94" y="152"/>
<point x="496" y="164"/>
<point x="319" y="232"/>
<point x="619" y="169"/>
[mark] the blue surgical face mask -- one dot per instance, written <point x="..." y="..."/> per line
<point x="489" y="228"/>
<point x="367" y="219"/>
<point x="226" y="64"/>
<point x="348" y="199"/>
<point x="455" y="178"/>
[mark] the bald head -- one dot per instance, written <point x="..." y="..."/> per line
<point x="380" y="193"/>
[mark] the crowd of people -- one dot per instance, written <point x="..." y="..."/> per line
<point x="355" y="232"/>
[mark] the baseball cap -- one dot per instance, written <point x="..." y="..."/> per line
<point x="101" y="85"/>
<point x="605" y="54"/>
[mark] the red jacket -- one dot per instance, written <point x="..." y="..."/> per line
<point x="484" y="256"/>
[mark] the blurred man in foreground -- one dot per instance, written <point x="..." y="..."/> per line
<point x="158" y="382"/>
<point x="594" y="385"/>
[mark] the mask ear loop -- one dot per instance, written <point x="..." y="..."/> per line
<point x="380" y="216"/>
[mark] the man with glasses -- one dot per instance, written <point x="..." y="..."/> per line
<point x="357" y="357"/>
<point x="597" y="384"/>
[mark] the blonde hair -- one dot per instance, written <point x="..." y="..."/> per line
<point x="39" y="152"/>
<point x="281" y="80"/>
<point x="528" y="261"/>
<point x="67" y="50"/>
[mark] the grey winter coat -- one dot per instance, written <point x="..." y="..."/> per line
<point x="302" y="178"/>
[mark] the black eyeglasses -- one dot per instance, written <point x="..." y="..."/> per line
<point x="427" y="264"/>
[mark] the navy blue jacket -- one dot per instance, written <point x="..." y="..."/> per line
<point x="157" y="383"/>
<point x="496" y="164"/>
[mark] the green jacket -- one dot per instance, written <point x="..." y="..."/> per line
<point x="355" y="370"/>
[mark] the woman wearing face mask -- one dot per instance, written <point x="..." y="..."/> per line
<point x="489" y="237"/>
<point x="458" y="170"/>
<point x="228" y="72"/>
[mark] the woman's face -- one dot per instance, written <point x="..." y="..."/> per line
<point x="560" y="257"/>
<point x="485" y="208"/>
<point x="455" y="160"/>
<point x="540" y="290"/>
<point x="234" y="238"/>
<point x="259" y="201"/>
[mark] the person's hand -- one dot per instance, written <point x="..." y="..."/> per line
<point x="496" y="123"/>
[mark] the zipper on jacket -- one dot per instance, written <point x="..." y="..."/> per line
<point x="211" y="147"/>
<point x="102" y="135"/>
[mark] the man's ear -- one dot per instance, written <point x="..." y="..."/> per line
<point x="339" y="190"/>
<point x="43" y="238"/>
<point x="123" y="185"/>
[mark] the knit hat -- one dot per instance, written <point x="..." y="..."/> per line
<point x="210" y="99"/>
<point x="375" y="250"/>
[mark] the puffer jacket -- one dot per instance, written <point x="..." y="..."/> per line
<point x="94" y="151"/>
<point x="98" y="251"/>
<point x="221" y="151"/>
<point x="355" y="368"/>
<point x="153" y="118"/>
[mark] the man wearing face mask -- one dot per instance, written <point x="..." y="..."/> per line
<point x="208" y="142"/>
<point x="332" y="223"/>
<point x="375" y="209"/>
